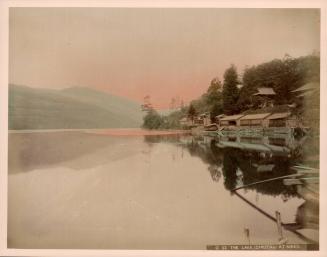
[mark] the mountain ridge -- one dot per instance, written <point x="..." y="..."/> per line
<point x="70" y="108"/>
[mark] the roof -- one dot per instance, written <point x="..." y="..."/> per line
<point x="279" y="115"/>
<point x="270" y="109"/>
<point x="306" y="93"/>
<point x="232" y="117"/>
<point x="265" y="91"/>
<point x="183" y="119"/>
<point x="255" y="116"/>
<point x="220" y="116"/>
<point x="308" y="86"/>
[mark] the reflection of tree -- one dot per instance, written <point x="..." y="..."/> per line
<point x="229" y="160"/>
<point x="281" y="166"/>
<point x="209" y="153"/>
<point x="229" y="168"/>
<point x="215" y="172"/>
<point x="152" y="139"/>
<point x="254" y="166"/>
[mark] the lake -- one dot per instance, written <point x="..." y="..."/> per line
<point x="133" y="189"/>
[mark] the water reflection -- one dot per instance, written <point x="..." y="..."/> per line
<point x="106" y="191"/>
<point x="78" y="150"/>
<point x="246" y="162"/>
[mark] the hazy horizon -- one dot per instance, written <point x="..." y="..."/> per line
<point x="162" y="52"/>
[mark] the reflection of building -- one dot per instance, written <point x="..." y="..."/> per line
<point x="244" y="162"/>
<point x="281" y="145"/>
<point x="260" y="164"/>
<point x="264" y="167"/>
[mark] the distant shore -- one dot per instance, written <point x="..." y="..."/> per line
<point x="109" y="131"/>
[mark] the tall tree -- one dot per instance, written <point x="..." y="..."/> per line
<point x="230" y="91"/>
<point x="191" y="113"/>
<point x="214" y="98"/>
<point x="250" y="84"/>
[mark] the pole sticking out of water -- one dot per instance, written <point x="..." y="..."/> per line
<point x="281" y="239"/>
<point x="279" y="224"/>
<point x="247" y="235"/>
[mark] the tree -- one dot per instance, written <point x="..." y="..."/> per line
<point x="250" y="85"/>
<point x="152" y="120"/>
<point x="283" y="75"/>
<point x="191" y="113"/>
<point x="214" y="91"/>
<point x="230" y="91"/>
<point x="214" y="98"/>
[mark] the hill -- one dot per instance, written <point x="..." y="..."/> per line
<point x="72" y="108"/>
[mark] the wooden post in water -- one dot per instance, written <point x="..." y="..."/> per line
<point x="281" y="238"/>
<point x="247" y="234"/>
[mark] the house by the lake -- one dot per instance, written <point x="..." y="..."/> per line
<point x="255" y="120"/>
<point x="204" y="119"/>
<point x="230" y="121"/>
<point x="260" y="120"/>
<point x="265" y="96"/>
<point x="285" y="119"/>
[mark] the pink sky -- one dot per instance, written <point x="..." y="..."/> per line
<point x="163" y="53"/>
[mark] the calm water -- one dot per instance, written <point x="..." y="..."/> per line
<point x="79" y="189"/>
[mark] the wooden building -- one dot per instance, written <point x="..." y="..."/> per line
<point x="230" y="121"/>
<point x="283" y="120"/>
<point x="255" y="120"/>
<point x="218" y="118"/>
<point x="266" y="96"/>
<point x="185" y="122"/>
<point x="205" y="118"/>
<point x="202" y="119"/>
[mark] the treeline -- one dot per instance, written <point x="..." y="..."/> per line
<point x="234" y="94"/>
<point x="283" y="76"/>
<point x="154" y="120"/>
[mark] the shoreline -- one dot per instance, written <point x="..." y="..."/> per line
<point x="108" y="131"/>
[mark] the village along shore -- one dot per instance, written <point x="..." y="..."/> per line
<point x="280" y="96"/>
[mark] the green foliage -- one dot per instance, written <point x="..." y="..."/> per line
<point x="283" y="75"/>
<point x="211" y="101"/>
<point x="200" y="104"/>
<point x="191" y="113"/>
<point x="172" y="120"/>
<point x="152" y="120"/>
<point x="230" y="91"/>
<point x="214" y="98"/>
